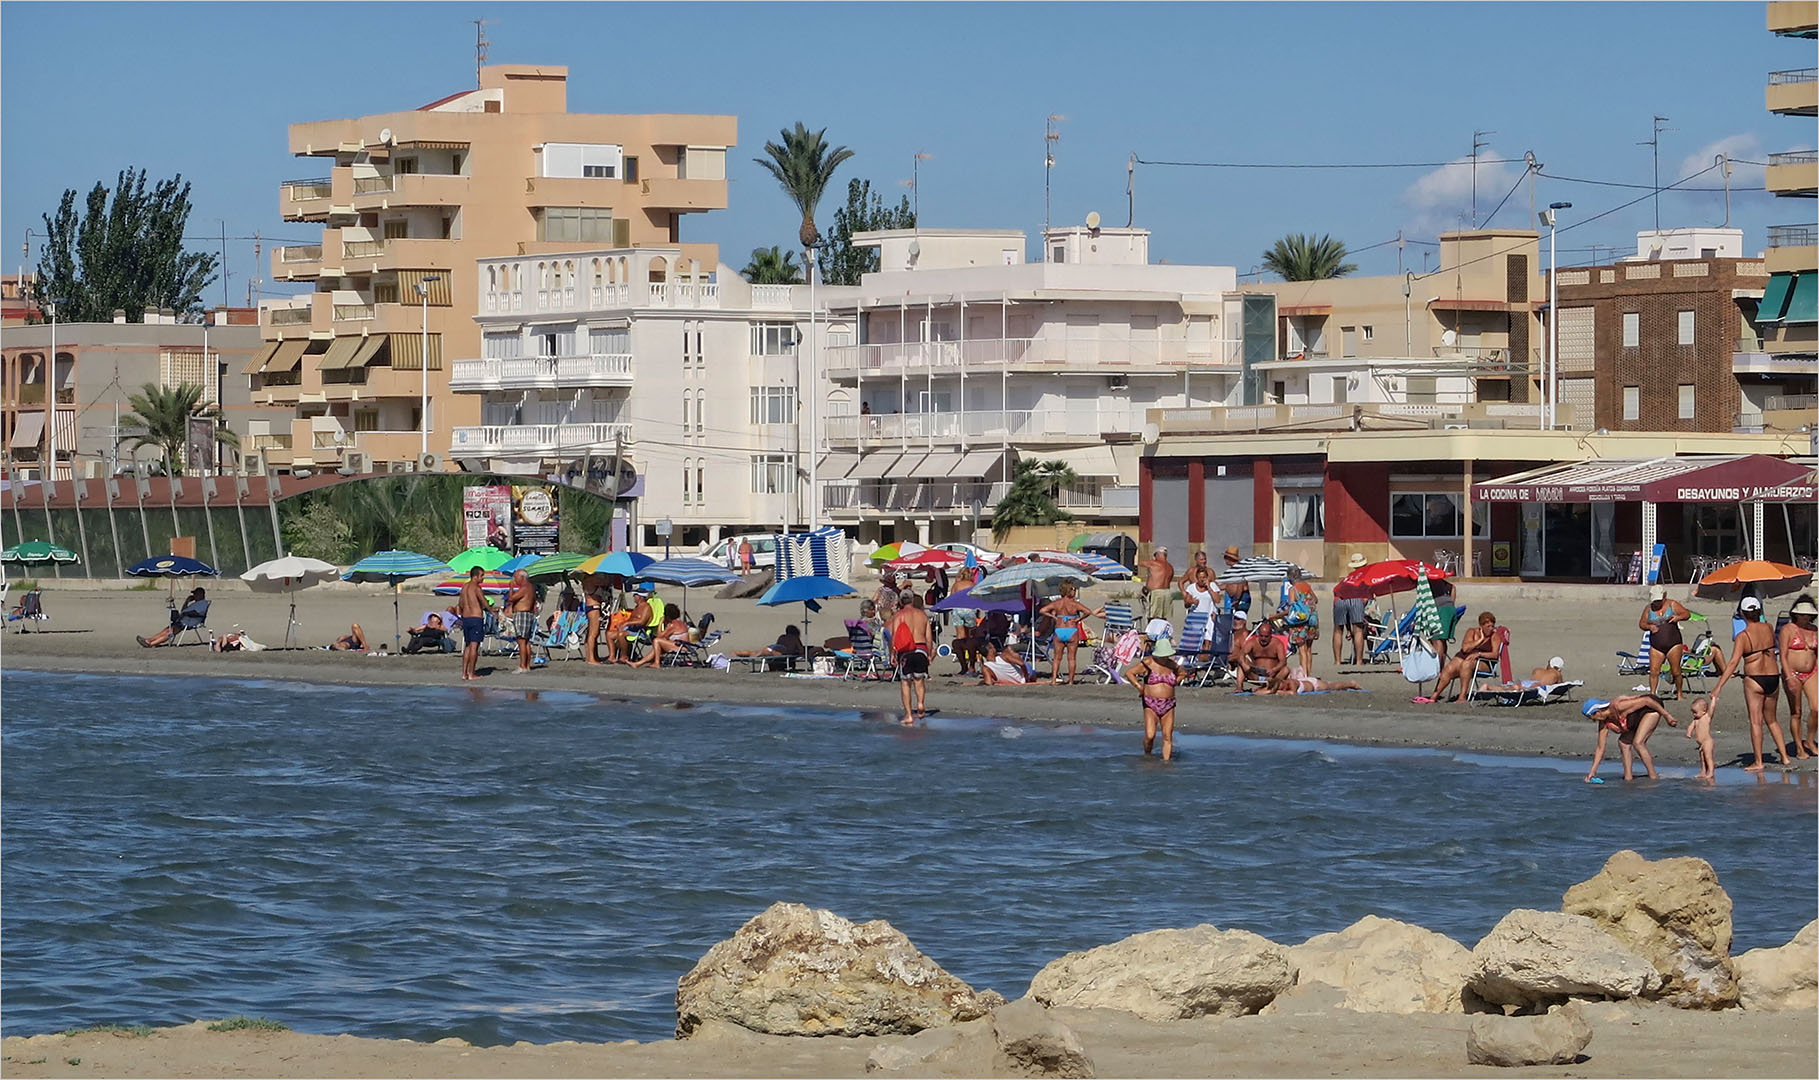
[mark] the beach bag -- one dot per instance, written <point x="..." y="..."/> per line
<point x="824" y="665"/>
<point x="903" y="639"/>
<point x="1420" y="664"/>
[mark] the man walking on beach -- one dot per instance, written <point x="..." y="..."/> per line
<point x="522" y="603"/>
<point x="1158" y="585"/>
<point x="471" y="607"/>
<point x="913" y="645"/>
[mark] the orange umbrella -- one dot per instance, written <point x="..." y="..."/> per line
<point x="1760" y="577"/>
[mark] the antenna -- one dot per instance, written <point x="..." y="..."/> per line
<point x="1654" y="142"/>
<point x="1050" y="136"/>
<point x="1477" y="145"/>
<point x="480" y="44"/>
<point x="915" y="186"/>
<point x="253" y="283"/>
<point x="1130" y="190"/>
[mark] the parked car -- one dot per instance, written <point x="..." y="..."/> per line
<point x="764" y="550"/>
<point x="988" y="559"/>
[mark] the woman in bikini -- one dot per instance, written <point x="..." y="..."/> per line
<point x="1159" y="674"/>
<point x="1799" y="655"/>
<point x="1662" y="619"/>
<point x="1298" y="681"/>
<point x="1754" y="652"/>
<point x="1070" y="617"/>
<point x="1632" y="718"/>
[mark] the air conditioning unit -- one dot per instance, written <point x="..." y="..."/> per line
<point x="398" y="466"/>
<point x="430" y="462"/>
<point x="253" y="464"/>
<point x="1117" y="382"/>
<point x="355" y="462"/>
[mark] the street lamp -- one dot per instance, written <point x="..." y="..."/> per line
<point x="423" y="406"/>
<point x="50" y="397"/>
<point x="1550" y="373"/>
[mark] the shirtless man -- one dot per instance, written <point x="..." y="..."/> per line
<point x="471" y="607"/>
<point x="1632" y="718"/>
<point x="624" y="626"/>
<point x="522" y="603"/>
<point x="1239" y="591"/>
<point x="1258" y="655"/>
<point x="1158" y="585"/>
<point x="912" y="644"/>
<point x="1480" y="643"/>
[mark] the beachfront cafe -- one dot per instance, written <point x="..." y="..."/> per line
<point x="1631" y="519"/>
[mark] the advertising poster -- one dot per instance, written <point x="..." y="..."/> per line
<point x="486" y="510"/>
<point x="535" y="528"/>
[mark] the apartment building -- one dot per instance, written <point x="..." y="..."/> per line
<point x="685" y="374"/>
<point x="99" y="366"/>
<point x="967" y="359"/>
<point x="409" y="202"/>
<point x="1790" y="304"/>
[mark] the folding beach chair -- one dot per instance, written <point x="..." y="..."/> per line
<point x="1635" y="663"/>
<point x="860" y="658"/>
<point x="568" y="634"/>
<point x="694" y="653"/>
<point x="193" y="623"/>
<point x="1118" y="619"/>
<point x="1196" y="670"/>
<point x="1528" y="693"/>
<point x="30" y="609"/>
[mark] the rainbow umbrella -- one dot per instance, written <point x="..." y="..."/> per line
<point x="494" y="582"/>
<point x="894" y="551"/>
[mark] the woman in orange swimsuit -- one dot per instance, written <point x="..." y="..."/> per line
<point x="1754" y="653"/>
<point x="1799" y="655"/>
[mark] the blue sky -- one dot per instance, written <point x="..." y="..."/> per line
<point x="208" y="90"/>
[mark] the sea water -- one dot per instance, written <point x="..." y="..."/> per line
<point x="502" y="865"/>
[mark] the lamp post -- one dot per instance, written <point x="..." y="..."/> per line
<point x="50" y="398"/>
<point x="814" y="404"/>
<point x="1550" y="373"/>
<point x="423" y="405"/>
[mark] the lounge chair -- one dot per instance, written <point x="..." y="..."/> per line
<point x="1528" y="693"/>
<point x="1697" y="663"/>
<point x="568" y="634"/>
<point x="861" y="658"/>
<point x="1386" y="647"/>
<point x="30" y="609"/>
<point x="193" y="622"/>
<point x="694" y="653"/>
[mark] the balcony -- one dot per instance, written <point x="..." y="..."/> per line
<point x="1782" y="414"/>
<point x="1754" y="358"/>
<point x="353" y="312"/>
<point x="1780" y="236"/>
<point x="910" y="496"/>
<point x="302" y="200"/>
<point x="365" y="255"/>
<point x="296" y="261"/>
<point x="1793" y="93"/>
<point x="291" y="316"/>
<point x="542" y="373"/>
<point x="771" y="297"/>
<point x="985" y="426"/>
<point x="516" y="439"/>
<point x="1793" y="173"/>
<point x="391" y="190"/>
<point x="1092" y="356"/>
<point x="691" y="295"/>
<point x="1380" y="416"/>
<point x="669" y="193"/>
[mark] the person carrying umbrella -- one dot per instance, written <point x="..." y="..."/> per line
<point x="471" y="608"/>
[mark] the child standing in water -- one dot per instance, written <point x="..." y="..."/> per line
<point x="1700" y="731"/>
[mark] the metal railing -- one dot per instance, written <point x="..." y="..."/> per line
<point x="1780" y="236"/>
<point x="317" y="188"/>
<point x="951" y="496"/>
<point x="374" y="185"/>
<point x="1793" y="75"/>
<point x="290" y="316"/>
<point x="354" y="249"/>
<point x="353" y="311"/>
<point x="1794" y="157"/>
<point x="1802" y="402"/>
<point x="300" y="253"/>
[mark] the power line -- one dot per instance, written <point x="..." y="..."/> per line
<point x="1619" y="184"/>
<point x="1327" y="165"/>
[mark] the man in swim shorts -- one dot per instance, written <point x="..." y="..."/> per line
<point x="1348" y="619"/>
<point x="913" y="644"/>
<point x="1159" y="585"/>
<point x="471" y="607"/>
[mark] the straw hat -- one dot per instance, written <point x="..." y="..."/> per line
<point x="1231" y="551"/>
<point x="1804" y="607"/>
<point x="1357" y="561"/>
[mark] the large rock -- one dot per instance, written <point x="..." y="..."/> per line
<point x="962" y="1050"/>
<point x="793" y="970"/>
<point x="1170" y="974"/>
<point x="1557" y="1038"/>
<point x="1387" y="966"/>
<point x="1672" y="912"/>
<point x="1784" y="978"/>
<point x="1033" y="1043"/>
<point x="1536" y="958"/>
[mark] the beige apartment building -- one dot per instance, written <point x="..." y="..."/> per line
<point x="1787" y="317"/>
<point x="409" y="202"/>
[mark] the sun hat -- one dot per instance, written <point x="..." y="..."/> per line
<point x="1240" y="617"/>
<point x="1159" y="628"/>
<point x="1165" y="647"/>
<point x="1161" y="549"/>
<point x="1591" y="707"/>
<point x="1749" y="603"/>
<point x="1556" y="662"/>
<point x="1357" y="561"/>
<point x="1231" y="551"/>
<point x="1804" y="607"/>
<point x="1657" y="592"/>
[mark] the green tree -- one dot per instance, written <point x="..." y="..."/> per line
<point x="585" y="520"/>
<point x="841" y="262"/>
<point x="125" y="254"/>
<point x="164" y="412"/>
<point x="772" y="266"/>
<point x="1300" y="257"/>
<point x="1034" y="497"/>
<point x="316" y="530"/>
<point x="803" y="164"/>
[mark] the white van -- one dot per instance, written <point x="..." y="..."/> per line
<point x="764" y="551"/>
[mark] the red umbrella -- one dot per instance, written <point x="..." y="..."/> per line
<point x="926" y="559"/>
<point x="1383" y="578"/>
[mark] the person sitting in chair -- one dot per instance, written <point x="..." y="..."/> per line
<point x="428" y="637"/>
<point x="624" y="626"/>
<point x="193" y="614"/>
<point x="788" y="645"/>
<point x="1000" y="668"/>
<point x="673" y="636"/>
<point x="1481" y="643"/>
<point x="1257" y="654"/>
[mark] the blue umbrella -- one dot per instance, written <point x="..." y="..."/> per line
<point x="172" y="566"/>
<point x="805" y="591"/>
<point x="393" y="567"/>
<point x="517" y="563"/>
<point x="623" y="563"/>
<point x="964" y="601"/>
<point x="685" y="571"/>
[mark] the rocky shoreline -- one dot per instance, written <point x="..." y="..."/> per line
<point x="1632" y="976"/>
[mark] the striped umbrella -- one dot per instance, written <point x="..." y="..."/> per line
<point x="558" y="565"/>
<point x="1427" y="614"/>
<point x="515" y="563"/>
<point x="33" y="552"/>
<point x="1261" y="568"/>
<point x="496" y="582"/>
<point x="894" y="551"/>
<point x="821" y="553"/>
<point x="623" y="563"/>
<point x="392" y="567"/>
<point x="687" y="572"/>
<point x="1097" y="565"/>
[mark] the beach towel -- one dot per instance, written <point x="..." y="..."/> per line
<point x="1503" y="653"/>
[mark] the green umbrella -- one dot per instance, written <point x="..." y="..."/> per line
<point x="1427" y="614"/>
<point x="486" y="558"/>
<point x="34" y="552"/>
<point x="555" y="566"/>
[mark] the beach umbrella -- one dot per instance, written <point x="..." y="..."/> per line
<point x="38" y="552"/>
<point x="496" y="582"/>
<point x="1261" y="568"/>
<point x="287" y="574"/>
<point x="517" y="563"/>
<point x="394" y="567"/>
<point x="1427" y="613"/>
<point x="805" y="591"/>
<point x="1097" y="565"/>
<point x="928" y="558"/>
<point x="1384" y="578"/>
<point x="1010" y="581"/>
<point x="1758" y="577"/>
<point x="623" y="563"/>
<point x="894" y="551"/>
<point x="687" y="572"/>
<point x="485" y="557"/>
<point x="172" y="567"/>
<point x="965" y="601"/>
<point x="558" y="565"/>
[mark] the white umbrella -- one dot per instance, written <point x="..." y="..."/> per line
<point x="287" y="574"/>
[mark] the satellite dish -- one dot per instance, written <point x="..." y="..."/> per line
<point x="385" y="136"/>
<point x="1092" y="219"/>
<point x="1449" y="338"/>
<point x="915" y="250"/>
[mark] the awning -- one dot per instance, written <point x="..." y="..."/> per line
<point x="1774" y="298"/>
<point x="1088" y="461"/>
<point x="977" y="464"/>
<point x="261" y="358"/>
<point x="340" y="351"/>
<point x="369" y="348"/>
<point x="835" y="466"/>
<point x="287" y="357"/>
<point x="439" y="292"/>
<point x="1803" y="306"/>
<point x="407" y="352"/>
<point x="931" y="467"/>
<point x="875" y="466"/>
<point x="1726" y="479"/>
<point x="28" y="429"/>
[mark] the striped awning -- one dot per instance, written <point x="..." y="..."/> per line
<point x="440" y="294"/>
<point x="288" y="356"/>
<point x="369" y="348"/>
<point x="340" y="351"/>
<point x="976" y="464"/>
<point x="261" y="357"/>
<point x="875" y="465"/>
<point x="407" y="352"/>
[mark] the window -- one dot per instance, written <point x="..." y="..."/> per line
<point x="1686" y="401"/>
<point x="575" y="224"/>
<point x="773" y="338"/>
<point x="1686" y="328"/>
<point x="1278" y="391"/>
<point x="503" y="346"/>
<point x="1058" y="255"/>
<point x="1421" y="389"/>
<point x="1348" y="341"/>
<point x="772" y="405"/>
<point x="688" y="481"/>
<point x="700" y="480"/>
<point x="597" y="172"/>
<point x="700" y="412"/>
<point x="772" y="475"/>
<point x="366" y="419"/>
<point x="1369" y="332"/>
<point x="1303" y="516"/>
<point x="1339" y="389"/>
<point x="631" y="170"/>
<point x="1425" y="516"/>
<point x="1632" y="403"/>
<point x="1632" y="329"/>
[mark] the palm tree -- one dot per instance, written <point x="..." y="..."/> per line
<point x="803" y="163"/>
<point x="1300" y="257"/>
<point x="165" y="412"/>
<point x="1033" y="498"/>
<point x="772" y="266"/>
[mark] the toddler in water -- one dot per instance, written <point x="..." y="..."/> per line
<point x="1700" y="731"/>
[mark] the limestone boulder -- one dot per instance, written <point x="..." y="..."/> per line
<point x="1556" y="1038"/>
<point x="1170" y="974"/>
<point x="1673" y="913"/>
<point x="1783" y="978"/>
<point x="1387" y="966"/>
<point x="793" y="970"/>
<point x="1539" y="958"/>
<point x="1032" y="1042"/>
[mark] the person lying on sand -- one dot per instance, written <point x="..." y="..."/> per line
<point x="1297" y="681"/>
<point x="1000" y="668"/>
<point x="352" y="641"/>
<point x="1551" y="675"/>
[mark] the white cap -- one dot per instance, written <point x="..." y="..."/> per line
<point x="1556" y="662"/>
<point x="1750" y="603"/>
<point x="1240" y="617"/>
<point x="1658" y="592"/>
<point x="1159" y="628"/>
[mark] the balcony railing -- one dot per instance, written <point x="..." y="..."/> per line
<point x="355" y="249"/>
<point x="951" y="496"/>
<point x="1795" y="75"/>
<point x="1794" y="157"/>
<point x="1802" y="402"/>
<point x="300" y="253"/>
<point x="298" y="190"/>
<point x="358" y="312"/>
<point x="1101" y="356"/>
<point x="673" y="294"/>
<point x="771" y="297"/>
<point x="290" y="316"/>
<point x="1413" y="416"/>
<point x="1780" y="236"/>
<point x="541" y="372"/>
<point x="374" y="185"/>
<point x="537" y="438"/>
<point x="987" y="425"/>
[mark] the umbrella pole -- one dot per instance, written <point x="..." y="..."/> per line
<point x="291" y="627"/>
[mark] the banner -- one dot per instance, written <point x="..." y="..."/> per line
<point x="486" y="510"/>
<point x="199" y="444"/>
<point x="536" y="528"/>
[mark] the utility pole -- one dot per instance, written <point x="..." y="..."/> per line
<point x="1654" y="144"/>
<point x="480" y="44"/>
<point x="1130" y="202"/>
<point x="1478" y="144"/>
<point x="612" y="482"/>
<point x="1723" y="161"/>
<point x="253" y="284"/>
<point x="225" y="299"/>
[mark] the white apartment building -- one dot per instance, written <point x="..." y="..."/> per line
<point x="687" y="376"/>
<point x="968" y="359"/>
